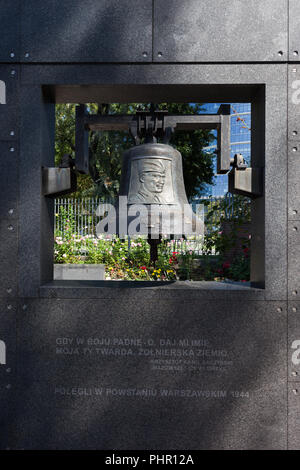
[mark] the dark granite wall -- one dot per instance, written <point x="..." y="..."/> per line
<point x="125" y="365"/>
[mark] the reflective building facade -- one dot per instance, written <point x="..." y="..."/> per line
<point x="240" y="141"/>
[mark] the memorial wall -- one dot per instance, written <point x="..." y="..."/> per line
<point x="137" y="365"/>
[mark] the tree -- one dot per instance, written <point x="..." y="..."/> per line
<point x="198" y="168"/>
<point x="106" y="149"/>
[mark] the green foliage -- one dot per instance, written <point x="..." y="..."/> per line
<point x="65" y="131"/>
<point x="197" y="164"/>
<point x="221" y="243"/>
<point x="120" y="263"/>
<point x="239" y="270"/>
<point x="217" y="214"/>
<point x="133" y="264"/>
<point x="65" y="143"/>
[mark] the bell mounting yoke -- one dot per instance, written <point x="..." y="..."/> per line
<point x="152" y="125"/>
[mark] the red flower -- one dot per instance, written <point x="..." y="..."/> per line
<point x="246" y="250"/>
<point x="143" y="267"/>
<point x="226" y="265"/>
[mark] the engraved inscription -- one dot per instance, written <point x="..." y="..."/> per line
<point x="178" y="355"/>
<point x="115" y="392"/>
<point x="192" y="356"/>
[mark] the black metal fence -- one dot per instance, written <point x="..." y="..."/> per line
<point x="79" y="216"/>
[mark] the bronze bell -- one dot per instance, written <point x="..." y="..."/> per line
<point x="152" y="181"/>
<point x="152" y="177"/>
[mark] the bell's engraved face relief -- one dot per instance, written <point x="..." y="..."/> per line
<point x="148" y="181"/>
<point x="153" y="182"/>
<point x="152" y="177"/>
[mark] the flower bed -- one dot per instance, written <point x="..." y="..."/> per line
<point x="131" y="261"/>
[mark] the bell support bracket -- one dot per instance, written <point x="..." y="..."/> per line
<point x="58" y="181"/>
<point x="245" y="180"/>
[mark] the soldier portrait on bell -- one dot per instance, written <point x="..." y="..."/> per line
<point x="151" y="177"/>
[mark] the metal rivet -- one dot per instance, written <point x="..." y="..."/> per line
<point x="295" y="292"/>
<point x="11" y="211"/>
<point x="295" y="133"/>
<point x="13" y="72"/>
<point x="295" y="391"/>
<point x="24" y="307"/>
<point x="8" y="386"/>
<point x="159" y="54"/>
<point x="295" y="229"/>
<point x="295" y="149"/>
<point x="295" y="53"/>
<point x="27" y="54"/>
<point x="8" y="370"/>
<point x="145" y="54"/>
<point x="279" y="309"/>
<point x="9" y="307"/>
<point x="295" y="212"/>
<point x="294" y="373"/>
<point x="12" y="149"/>
<point x="294" y="70"/>
<point x="12" y="133"/>
<point x="10" y="227"/>
<point x="280" y="53"/>
<point x="12" y="54"/>
<point x="294" y="309"/>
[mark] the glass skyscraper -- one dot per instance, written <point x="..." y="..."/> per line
<point x="240" y="141"/>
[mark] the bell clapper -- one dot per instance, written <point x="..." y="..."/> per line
<point x="154" y="242"/>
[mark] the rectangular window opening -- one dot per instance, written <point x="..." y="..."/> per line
<point x="221" y="255"/>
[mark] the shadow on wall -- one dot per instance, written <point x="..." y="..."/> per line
<point x="105" y="31"/>
<point x="231" y="396"/>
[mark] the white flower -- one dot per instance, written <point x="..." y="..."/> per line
<point x="64" y="255"/>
